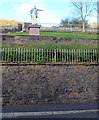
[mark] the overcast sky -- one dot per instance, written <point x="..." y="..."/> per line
<point x="54" y="10"/>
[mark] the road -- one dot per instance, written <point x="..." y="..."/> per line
<point x="44" y="112"/>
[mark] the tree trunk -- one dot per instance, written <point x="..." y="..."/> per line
<point x="83" y="26"/>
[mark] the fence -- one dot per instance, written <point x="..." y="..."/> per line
<point x="67" y="29"/>
<point x="29" y="55"/>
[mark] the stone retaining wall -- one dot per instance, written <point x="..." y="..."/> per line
<point x="35" y="39"/>
<point x="49" y="84"/>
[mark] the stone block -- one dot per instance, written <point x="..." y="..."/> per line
<point x="34" y="30"/>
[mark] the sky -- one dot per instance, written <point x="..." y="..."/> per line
<point x="54" y="10"/>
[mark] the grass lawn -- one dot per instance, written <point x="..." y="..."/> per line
<point x="61" y="34"/>
<point x="70" y="35"/>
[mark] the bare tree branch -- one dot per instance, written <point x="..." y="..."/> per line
<point x="84" y="8"/>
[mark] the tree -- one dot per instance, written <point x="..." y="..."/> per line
<point x="76" y="22"/>
<point x="83" y="9"/>
<point x="96" y="6"/>
<point x="64" y="22"/>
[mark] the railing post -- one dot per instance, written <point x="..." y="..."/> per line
<point x="55" y="55"/>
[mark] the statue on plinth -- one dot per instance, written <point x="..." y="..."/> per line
<point x="34" y="15"/>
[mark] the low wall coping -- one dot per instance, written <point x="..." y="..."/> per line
<point x="52" y="64"/>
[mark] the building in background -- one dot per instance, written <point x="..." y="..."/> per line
<point x="94" y="26"/>
<point x="10" y="26"/>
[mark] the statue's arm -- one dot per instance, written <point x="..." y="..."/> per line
<point x="39" y="10"/>
<point x="31" y="11"/>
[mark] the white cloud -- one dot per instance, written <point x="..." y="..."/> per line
<point x="92" y="20"/>
<point x="24" y="8"/>
<point x="14" y="1"/>
<point x="47" y="17"/>
<point x="40" y="1"/>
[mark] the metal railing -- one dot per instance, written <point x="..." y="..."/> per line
<point x="29" y="55"/>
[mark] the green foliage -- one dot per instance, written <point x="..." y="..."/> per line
<point x="41" y="62"/>
<point x="54" y="45"/>
<point x="54" y="60"/>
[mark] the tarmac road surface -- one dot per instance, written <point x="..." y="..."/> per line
<point x="52" y="111"/>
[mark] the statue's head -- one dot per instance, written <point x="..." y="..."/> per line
<point x="34" y="6"/>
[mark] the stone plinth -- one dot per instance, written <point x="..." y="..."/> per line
<point x="34" y="30"/>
